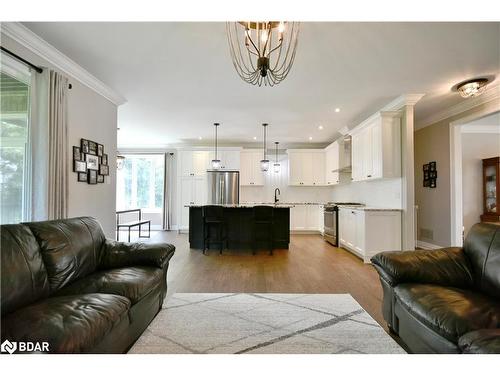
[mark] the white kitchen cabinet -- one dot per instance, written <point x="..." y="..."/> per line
<point x="192" y="190"/>
<point x="193" y="163"/>
<point x="332" y="176"/>
<point x="250" y="173"/>
<point x="298" y="218"/>
<point x="306" y="167"/>
<point x="306" y="217"/>
<point x="376" y="147"/>
<point x="367" y="232"/>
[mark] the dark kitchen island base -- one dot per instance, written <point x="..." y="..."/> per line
<point x="238" y="225"/>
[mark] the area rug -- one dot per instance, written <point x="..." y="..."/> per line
<point x="241" y="323"/>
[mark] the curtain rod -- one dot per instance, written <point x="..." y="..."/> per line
<point x="26" y="62"/>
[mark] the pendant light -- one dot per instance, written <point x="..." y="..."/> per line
<point x="216" y="161"/>
<point x="264" y="163"/>
<point x="276" y="165"/>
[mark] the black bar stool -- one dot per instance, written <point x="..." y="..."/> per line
<point x="213" y="227"/>
<point x="263" y="227"/>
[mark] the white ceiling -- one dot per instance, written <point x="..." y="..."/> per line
<point x="178" y="77"/>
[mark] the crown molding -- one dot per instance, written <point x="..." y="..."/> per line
<point x="491" y="93"/>
<point x="40" y="47"/>
<point x="402" y="101"/>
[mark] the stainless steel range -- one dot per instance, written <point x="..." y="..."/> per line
<point x="331" y="220"/>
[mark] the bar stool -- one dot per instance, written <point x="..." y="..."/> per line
<point x="263" y="227"/>
<point x="213" y="227"/>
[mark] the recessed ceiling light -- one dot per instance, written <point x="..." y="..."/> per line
<point x="337" y="110"/>
<point x="472" y="88"/>
<point x="310" y="138"/>
<point x="320" y="127"/>
<point x="254" y="138"/>
<point x="200" y="138"/>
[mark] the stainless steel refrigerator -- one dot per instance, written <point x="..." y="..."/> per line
<point x="223" y="187"/>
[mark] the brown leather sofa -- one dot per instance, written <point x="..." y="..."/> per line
<point x="64" y="283"/>
<point x="446" y="300"/>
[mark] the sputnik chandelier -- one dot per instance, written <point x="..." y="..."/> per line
<point x="263" y="52"/>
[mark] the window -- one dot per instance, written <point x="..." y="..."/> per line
<point x="15" y="90"/>
<point x="140" y="183"/>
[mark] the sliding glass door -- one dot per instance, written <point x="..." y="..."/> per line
<point x="140" y="184"/>
<point x="15" y="88"/>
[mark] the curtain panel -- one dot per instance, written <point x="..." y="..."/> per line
<point x="58" y="160"/>
<point x="168" y="191"/>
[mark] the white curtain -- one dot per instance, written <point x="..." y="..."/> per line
<point x="168" y="191"/>
<point x="58" y="158"/>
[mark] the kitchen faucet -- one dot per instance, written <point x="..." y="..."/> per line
<point x="276" y="191"/>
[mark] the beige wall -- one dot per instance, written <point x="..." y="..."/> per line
<point x="90" y="116"/>
<point x="432" y="143"/>
<point x="475" y="147"/>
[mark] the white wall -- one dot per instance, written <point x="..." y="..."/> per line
<point x="289" y="194"/>
<point x="475" y="147"/>
<point x="90" y="116"/>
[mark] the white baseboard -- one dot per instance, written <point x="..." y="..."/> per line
<point x="427" y="245"/>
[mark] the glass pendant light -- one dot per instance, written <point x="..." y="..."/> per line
<point x="216" y="161"/>
<point x="276" y="165"/>
<point x="264" y="163"/>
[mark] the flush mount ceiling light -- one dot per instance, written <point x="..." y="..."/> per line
<point x="276" y="165"/>
<point x="472" y="88"/>
<point x="264" y="163"/>
<point x="216" y="161"/>
<point x="263" y="52"/>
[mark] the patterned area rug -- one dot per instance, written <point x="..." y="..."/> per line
<point x="215" y="323"/>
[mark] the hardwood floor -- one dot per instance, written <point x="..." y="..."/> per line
<point x="311" y="265"/>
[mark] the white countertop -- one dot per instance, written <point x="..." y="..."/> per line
<point x="369" y="208"/>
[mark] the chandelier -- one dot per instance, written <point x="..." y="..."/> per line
<point x="263" y="52"/>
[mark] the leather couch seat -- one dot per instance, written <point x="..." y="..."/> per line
<point x="451" y="312"/>
<point x="131" y="282"/>
<point x="88" y="317"/>
<point x="483" y="341"/>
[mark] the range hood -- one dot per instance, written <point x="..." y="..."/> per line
<point x="345" y="155"/>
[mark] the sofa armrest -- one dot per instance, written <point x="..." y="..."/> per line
<point x="447" y="267"/>
<point x="120" y="254"/>
<point x="483" y="341"/>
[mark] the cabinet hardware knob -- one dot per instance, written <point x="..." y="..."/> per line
<point x="369" y="175"/>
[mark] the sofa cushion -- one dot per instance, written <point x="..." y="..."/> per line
<point x="483" y="341"/>
<point x="131" y="282"/>
<point x="482" y="247"/>
<point x="451" y="312"/>
<point x="24" y="277"/>
<point x="70" y="248"/>
<point x="70" y="324"/>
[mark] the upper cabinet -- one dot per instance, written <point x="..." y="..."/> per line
<point x="332" y="176"/>
<point x="250" y="173"/>
<point x="306" y="167"/>
<point x="193" y="163"/>
<point x="376" y="147"/>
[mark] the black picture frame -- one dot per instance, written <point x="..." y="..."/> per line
<point x="79" y="166"/>
<point x="92" y="162"/>
<point x="427" y="183"/>
<point x="100" y="149"/>
<point x="426" y="175"/>
<point x="92" y="177"/>
<point x="92" y="148"/>
<point x="432" y="166"/>
<point x="432" y="183"/>
<point x="104" y="160"/>
<point x="426" y="167"/>
<point x="104" y="170"/>
<point x="77" y="155"/>
<point x="82" y="176"/>
<point x="433" y="174"/>
<point x="100" y="179"/>
<point x="84" y="146"/>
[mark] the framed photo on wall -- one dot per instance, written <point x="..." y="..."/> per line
<point x="79" y="166"/>
<point x="100" y="149"/>
<point x="77" y="155"/>
<point x="104" y="159"/>
<point x="92" y="176"/>
<point x="85" y="146"/>
<point x="92" y="162"/>
<point x="100" y="178"/>
<point x="82" y="176"/>
<point x="92" y="148"/>
<point x="426" y="167"/>
<point x="104" y="170"/>
<point x="432" y="166"/>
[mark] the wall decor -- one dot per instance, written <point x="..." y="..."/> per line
<point x="430" y="174"/>
<point x="90" y="163"/>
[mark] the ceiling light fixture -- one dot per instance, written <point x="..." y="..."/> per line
<point x="310" y="138"/>
<point x="263" y="52"/>
<point x="472" y="88"/>
<point x="320" y="127"/>
<point x="216" y="161"/>
<point x="276" y="165"/>
<point x="264" y="163"/>
<point x="337" y="110"/>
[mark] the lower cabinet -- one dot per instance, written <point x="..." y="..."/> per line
<point x="367" y="232"/>
<point x="192" y="190"/>
<point x="307" y="217"/>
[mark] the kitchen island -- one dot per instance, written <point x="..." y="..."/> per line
<point x="238" y="223"/>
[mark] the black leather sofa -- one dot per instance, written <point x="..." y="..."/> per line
<point x="446" y="300"/>
<point x="64" y="283"/>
